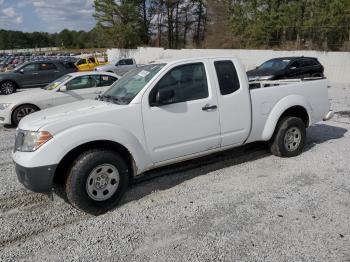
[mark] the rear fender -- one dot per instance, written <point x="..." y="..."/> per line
<point x="277" y="111"/>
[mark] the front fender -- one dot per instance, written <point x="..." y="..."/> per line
<point x="277" y="111"/>
<point x="65" y="141"/>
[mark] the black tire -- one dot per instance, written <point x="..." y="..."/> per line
<point x="7" y="88"/>
<point x="21" y="112"/>
<point x="288" y="131"/>
<point x="76" y="185"/>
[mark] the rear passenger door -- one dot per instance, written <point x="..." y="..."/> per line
<point x="234" y="102"/>
<point x="189" y="123"/>
<point x="48" y="72"/>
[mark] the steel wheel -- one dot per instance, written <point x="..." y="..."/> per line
<point x="102" y="182"/>
<point x="292" y="139"/>
<point x="7" y="88"/>
<point x="23" y="112"/>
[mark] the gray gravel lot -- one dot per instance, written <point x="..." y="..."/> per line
<point x="241" y="205"/>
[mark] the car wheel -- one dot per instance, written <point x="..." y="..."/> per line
<point x="96" y="181"/>
<point x="21" y="112"/>
<point x="7" y="88"/>
<point x="289" y="137"/>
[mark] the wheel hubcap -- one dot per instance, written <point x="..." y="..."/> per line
<point x="23" y="112"/>
<point x="7" y="88"/>
<point x="292" y="139"/>
<point x="102" y="182"/>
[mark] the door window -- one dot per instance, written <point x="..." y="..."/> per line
<point x="92" y="60"/>
<point x="122" y="62"/>
<point x="47" y="66"/>
<point x="295" y="64"/>
<point x="105" y="80"/>
<point x="30" y="67"/>
<point x="129" y="62"/>
<point x="189" y="82"/>
<point x="227" y="76"/>
<point x="81" y="83"/>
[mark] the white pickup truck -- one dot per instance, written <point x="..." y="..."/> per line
<point x="156" y="115"/>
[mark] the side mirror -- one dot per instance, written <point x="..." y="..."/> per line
<point x="21" y="71"/>
<point x="63" y="89"/>
<point x="165" y="97"/>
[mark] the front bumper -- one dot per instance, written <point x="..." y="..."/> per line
<point x="36" y="179"/>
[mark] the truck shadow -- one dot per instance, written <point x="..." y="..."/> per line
<point x="321" y="133"/>
<point x="168" y="177"/>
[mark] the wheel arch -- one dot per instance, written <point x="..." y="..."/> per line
<point x="19" y="105"/>
<point x="289" y="106"/>
<point x="10" y="80"/>
<point x="65" y="163"/>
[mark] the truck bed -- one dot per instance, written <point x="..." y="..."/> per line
<point x="269" y="100"/>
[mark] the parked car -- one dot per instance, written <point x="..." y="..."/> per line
<point x="287" y="68"/>
<point x="33" y="74"/>
<point x="157" y="115"/>
<point x="119" y="67"/>
<point x="89" y="63"/>
<point x="68" y="88"/>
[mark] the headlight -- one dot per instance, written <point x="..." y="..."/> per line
<point x="4" y="106"/>
<point x="29" y="141"/>
<point x="265" y="77"/>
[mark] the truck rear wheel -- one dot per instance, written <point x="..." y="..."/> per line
<point x="289" y="137"/>
<point x="97" y="181"/>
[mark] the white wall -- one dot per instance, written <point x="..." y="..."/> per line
<point x="337" y="64"/>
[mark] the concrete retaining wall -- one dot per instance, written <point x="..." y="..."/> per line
<point x="337" y="64"/>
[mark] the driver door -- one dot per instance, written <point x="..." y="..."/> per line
<point x="79" y="88"/>
<point x="28" y="75"/>
<point x="189" y="122"/>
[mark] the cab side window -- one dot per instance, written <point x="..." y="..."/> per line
<point x="189" y="82"/>
<point x="227" y="77"/>
<point x="81" y="83"/>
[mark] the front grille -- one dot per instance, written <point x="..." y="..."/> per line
<point x="19" y="140"/>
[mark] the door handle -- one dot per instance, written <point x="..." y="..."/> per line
<point x="209" y="107"/>
<point x="35" y="73"/>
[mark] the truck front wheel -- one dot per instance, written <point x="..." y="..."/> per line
<point x="289" y="137"/>
<point x="96" y="181"/>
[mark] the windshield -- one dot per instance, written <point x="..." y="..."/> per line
<point x="57" y="82"/>
<point x="124" y="90"/>
<point x="275" y="64"/>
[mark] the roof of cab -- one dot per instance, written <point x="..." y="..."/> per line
<point x="175" y="60"/>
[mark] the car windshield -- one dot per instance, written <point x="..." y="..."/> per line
<point x="57" y="82"/>
<point x="275" y="64"/>
<point x="124" y="90"/>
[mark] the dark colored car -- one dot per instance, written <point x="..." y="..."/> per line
<point x="287" y="68"/>
<point x="34" y="74"/>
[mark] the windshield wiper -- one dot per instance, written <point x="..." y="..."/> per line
<point x="109" y="98"/>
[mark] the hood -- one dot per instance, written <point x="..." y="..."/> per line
<point x="56" y="119"/>
<point x="23" y="96"/>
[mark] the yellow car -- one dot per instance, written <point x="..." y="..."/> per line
<point x="89" y="64"/>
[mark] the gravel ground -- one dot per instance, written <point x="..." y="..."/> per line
<point x="241" y="205"/>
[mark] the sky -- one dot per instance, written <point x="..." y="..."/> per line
<point x="46" y="15"/>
